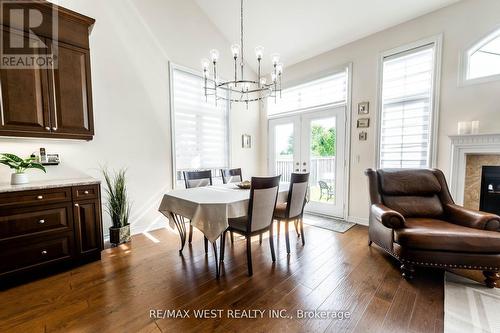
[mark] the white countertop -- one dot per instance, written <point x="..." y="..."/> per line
<point x="45" y="184"/>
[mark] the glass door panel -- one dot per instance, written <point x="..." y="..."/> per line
<point x="284" y="139"/>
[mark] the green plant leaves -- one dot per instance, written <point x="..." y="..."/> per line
<point x="19" y="164"/>
<point x="117" y="205"/>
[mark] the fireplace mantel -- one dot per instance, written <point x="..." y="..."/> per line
<point x="461" y="146"/>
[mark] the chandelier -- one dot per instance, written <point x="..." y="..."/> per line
<point x="240" y="89"/>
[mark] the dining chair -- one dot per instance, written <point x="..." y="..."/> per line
<point x="263" y="197"/>
<point x="293" y="208"/>
<point x="194" y="179"/>
<point x="231" y="175"/>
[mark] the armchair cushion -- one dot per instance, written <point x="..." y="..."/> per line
<point x="418" y="182"/>
<point x="439" y="235"/>
<point x="415" y="206"/>
<point x="388" y="217"/>
<point x="472" y="218"/>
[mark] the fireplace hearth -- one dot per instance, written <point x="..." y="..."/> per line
<point x="490" y="189"/>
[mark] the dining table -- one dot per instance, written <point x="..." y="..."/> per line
<point x="209" y="209"/>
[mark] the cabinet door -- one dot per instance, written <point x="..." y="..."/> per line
<point x="24" y="95"/>
<point x="88" y="227"/>
<point x="71" y="101"/>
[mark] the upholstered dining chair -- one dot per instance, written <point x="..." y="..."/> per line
<point x="293" y="208"/>
<point x="194" y="179"/>
<point x="414" y="218"/>
<point x="231" y="175"/>
<point x="263" y="197"/>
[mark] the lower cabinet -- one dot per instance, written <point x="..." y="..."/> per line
<point x="41" y="231"/>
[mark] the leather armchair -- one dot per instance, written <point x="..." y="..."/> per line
<point x="414" y="218"/>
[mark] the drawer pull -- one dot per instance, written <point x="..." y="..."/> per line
<point x="85" y="192"/>
<point x="40" y="197"/>
<point x="44" y="252"/>
<point x="77" y="205"/>
<point x="41" y="222"/>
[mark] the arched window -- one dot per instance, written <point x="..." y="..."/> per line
<point x="482" y="61"/>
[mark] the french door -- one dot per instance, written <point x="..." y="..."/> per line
<point x="312" y="142"/>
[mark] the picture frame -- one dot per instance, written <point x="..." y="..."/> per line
<point x="364" y="108"/>
<point x="363" y="123"/>
<point x="246" y="141"/>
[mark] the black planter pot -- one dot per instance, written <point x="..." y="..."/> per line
<point x="119" y="236"/>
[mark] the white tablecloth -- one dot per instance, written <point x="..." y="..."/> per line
<point x="210" y="207"/>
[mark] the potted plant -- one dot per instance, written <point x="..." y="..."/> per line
<point x="20" y="166"/>
<point x="118" y="207"/>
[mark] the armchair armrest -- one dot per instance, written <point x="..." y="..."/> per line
<point x="388" y="217"/>
<point x="472" y="218"/>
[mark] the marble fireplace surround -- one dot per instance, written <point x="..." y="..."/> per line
<point x="463" y="145"/>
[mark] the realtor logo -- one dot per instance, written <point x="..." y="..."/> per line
<point x="30" y="42"/>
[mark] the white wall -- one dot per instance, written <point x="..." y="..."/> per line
<point x="131" y="45"/>
<point x="461" y="25"/>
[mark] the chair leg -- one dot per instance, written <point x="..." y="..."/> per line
<point x="232" y="237"/>
<point x="492" y="279"/>
<point x="190" y="232"/>
<point x="260" y="239"/>
<point x="217" y="268"/>
<point x="407" y="271"/>
<point x="249" y="255"/>
<point x="206" y="245"/>
<point x="302" y="231"/>
<point x="296" y="224"/>
<point x="271" y="242"/>
<point x="287" y="238"/>
<point x="223" y="245"/>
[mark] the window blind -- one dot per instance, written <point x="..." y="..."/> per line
<point x="407" y="108"/>
<point x="327" y="90"/>
<point x="200" y="128"/>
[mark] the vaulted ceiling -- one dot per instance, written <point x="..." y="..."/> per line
<point x="301" y="29"/>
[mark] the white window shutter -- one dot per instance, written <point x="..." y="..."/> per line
<point x="407" y="108"/>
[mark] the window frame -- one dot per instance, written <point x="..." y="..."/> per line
<point x="465" y="60"/>
<point x="171" y="68"/>
<point x="435" y="96"/>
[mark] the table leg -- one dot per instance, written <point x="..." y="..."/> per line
<point x="181" y="226"/>
<point x="217" y="264"/>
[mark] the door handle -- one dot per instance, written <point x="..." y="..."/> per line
<point x="297" y="170"/>
<point x="304" y="170"/>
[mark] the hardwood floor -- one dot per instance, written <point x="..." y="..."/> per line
<point x="332" y="272"/>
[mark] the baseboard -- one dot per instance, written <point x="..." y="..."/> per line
<point x="358" y="220"/>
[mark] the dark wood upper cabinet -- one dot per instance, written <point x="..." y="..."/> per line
<point x="54" y="101"/>
<point x="24" y="99"/>
<point x="71" y="102"/>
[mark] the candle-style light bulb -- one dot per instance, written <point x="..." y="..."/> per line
<point x="259" y="52"/>
<point x="273" y="77"/>
<point x="235" y="50"/>
<point x="279" y="68"/>
<point x="275" y="58"/>
<point x="214" y="55"/>
<point x="205" y="64"/>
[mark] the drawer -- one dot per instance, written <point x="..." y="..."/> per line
<point x="27" y="221"/>
<point x="19" y="255"/>
<point x="85" y="192"/>
<point x="36" y="197"/>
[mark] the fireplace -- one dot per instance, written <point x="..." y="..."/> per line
<point x="490" y="189"/>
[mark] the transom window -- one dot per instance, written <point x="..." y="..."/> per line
<point x="483" y="59"/>
<point x="325" y="91"/>
<point x="407" y="107"/>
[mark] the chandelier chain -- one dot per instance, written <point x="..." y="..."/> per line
<point x="242" y="53"/>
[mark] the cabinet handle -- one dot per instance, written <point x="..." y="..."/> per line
<point x="40" y="197"/>
<point x="41" y="222"/>
<point x="85" y="192"/>
<point x="54" y="129"/>
<point x="77" y="205"/>
<point x="47" y="128"/>
<point x="44" y="252"/>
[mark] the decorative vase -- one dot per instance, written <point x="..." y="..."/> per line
<point x="119" y="236"/>
<point x="19" y="179"/>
